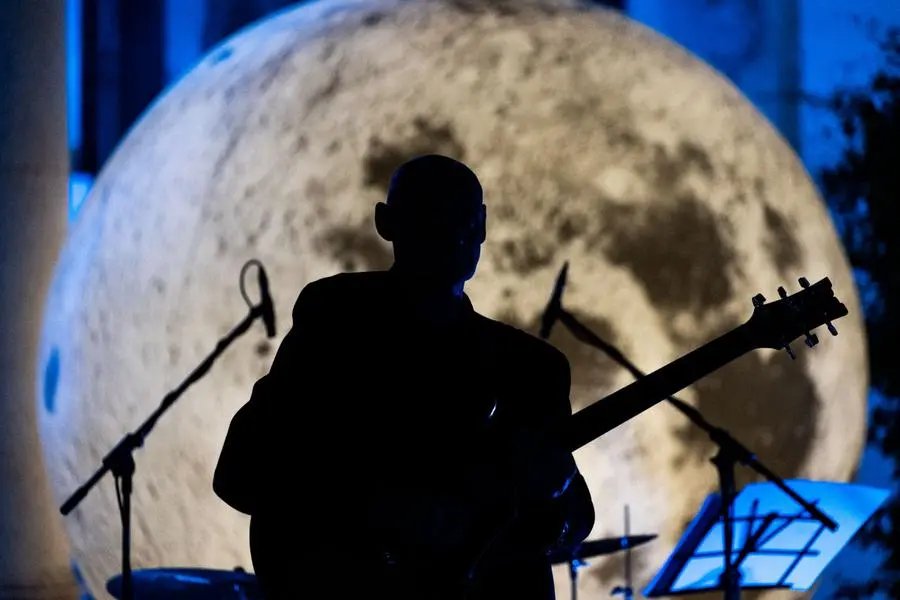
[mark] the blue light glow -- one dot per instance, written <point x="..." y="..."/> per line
<point x="79" y="186"/>
<point x="73" y="72"/>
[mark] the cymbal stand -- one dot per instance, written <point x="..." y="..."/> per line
<point x="626" y="591"/>
<point x="574" y="565"/>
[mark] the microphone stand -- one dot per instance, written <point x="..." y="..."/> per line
<point x="730" y="453"/>
<point x="120" y="461"/>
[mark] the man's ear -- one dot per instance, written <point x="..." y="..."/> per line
<point x="384" y="224"/>
<point x="482" y="234"/>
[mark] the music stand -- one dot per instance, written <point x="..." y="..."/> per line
<point x="776" y="544"/>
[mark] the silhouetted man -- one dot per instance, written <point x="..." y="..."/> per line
<point x="402" y="445"/>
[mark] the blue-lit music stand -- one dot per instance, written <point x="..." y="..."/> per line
<point x="776" y="544"/>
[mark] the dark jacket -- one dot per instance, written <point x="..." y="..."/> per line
<point x="369" y="417"/>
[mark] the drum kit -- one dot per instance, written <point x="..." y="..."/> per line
<point x="211" y="584"/>
<point x="193" y="584"/>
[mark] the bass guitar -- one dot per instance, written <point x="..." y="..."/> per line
<point x="773" y="325"/>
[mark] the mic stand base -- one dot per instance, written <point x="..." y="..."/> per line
<point x="123" y="473"/>
<point x="730" y="580"/>
<point x="573" y="577"/>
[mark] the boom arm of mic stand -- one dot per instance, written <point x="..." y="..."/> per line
<point x="120" y="461"/>
<point x="718" y="435"/>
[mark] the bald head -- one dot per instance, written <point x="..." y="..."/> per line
<point x="435" y="184"/>
<point x="434" y="215"/>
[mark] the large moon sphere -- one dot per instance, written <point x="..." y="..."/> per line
<point x="598" y="142"/>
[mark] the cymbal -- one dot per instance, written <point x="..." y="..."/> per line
<point x="193" y="584"/>
<point x="598" y="548"/>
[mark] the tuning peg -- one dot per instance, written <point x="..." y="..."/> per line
<point x="759" y="300"/>
<point x="790" y="351"/>
<point x="831" y="328"/>
<point x="782" y="292"/>
<point x="811" y="339"/>
<point x="804" y="282"/>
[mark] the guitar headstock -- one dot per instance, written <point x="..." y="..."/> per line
<point x="777" y="324"/>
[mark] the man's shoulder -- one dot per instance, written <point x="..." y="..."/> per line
<point x="523" y="345"/>
<point x="346" y="282"/>
<point x="333" y="290"/>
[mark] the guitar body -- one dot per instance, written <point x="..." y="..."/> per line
<point x="410" y="538"/>
<point x="291" y="566"/>
<point x="274" y="562"/>
<point x="469" y="539"/>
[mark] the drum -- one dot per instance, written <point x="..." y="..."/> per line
<point x="189" y="584"/>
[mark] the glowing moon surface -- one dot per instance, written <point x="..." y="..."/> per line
<point x="598" y="142"/>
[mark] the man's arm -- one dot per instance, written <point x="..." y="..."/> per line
<point x="573" y="504"/>
<point x="558" y="510"/>
<point x="245" y="473"/>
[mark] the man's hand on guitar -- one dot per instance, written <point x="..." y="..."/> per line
<point x="553" y="504"/>
<point x="543" y="469"/>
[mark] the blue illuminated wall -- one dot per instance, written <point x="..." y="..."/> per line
<point x="754" y="43"/>
<point x="184" y="25"/>
<point x="837" y="41"/>
<point x="79" y="182"/>
<point x="73" y="71"/>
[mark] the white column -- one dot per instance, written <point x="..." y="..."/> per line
<point x="34" y="560"/>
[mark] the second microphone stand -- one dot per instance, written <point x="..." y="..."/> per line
<point x="730" y="453"/>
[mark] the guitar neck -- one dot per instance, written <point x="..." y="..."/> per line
<point x="605" y="415"/>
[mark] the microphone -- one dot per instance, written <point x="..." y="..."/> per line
<point x="551" y="313"/>
<point x="266" y="308"/>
